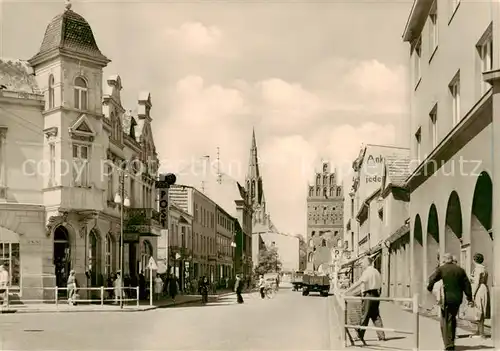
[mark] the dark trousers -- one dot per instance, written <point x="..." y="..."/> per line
<point x="449" y="324"/>
<point x="262" y="293"/>
<point x="204" y="297"/>
<point x="370" y="310"/>
<point x="239" y="298"/>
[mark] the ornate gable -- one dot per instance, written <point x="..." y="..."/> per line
<point x="82" y="129"/>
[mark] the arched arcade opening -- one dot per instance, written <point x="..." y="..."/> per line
<point x="481" y="235"/>
<point x="453" y="228"/>
<point x="418" y="256"/>
<point x="432" y="248"/>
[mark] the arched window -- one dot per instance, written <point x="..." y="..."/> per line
<point x="318" y="179"/>
<point x="93" y="258"/>
<point x="325" y="180"/>
<point x="252" y="194"/>
<point x="318" y="192"/>
<point x="51" y="92"/>
<point x="332" y="179"/>
<point x="108" y="256"/>
<point x="331" y="192"/>
<point x="339" y="189"/>
<point x="81" y="92"/>
<point x="311" y="191"/>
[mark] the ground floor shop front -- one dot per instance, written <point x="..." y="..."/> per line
<point x="40" y="248"/>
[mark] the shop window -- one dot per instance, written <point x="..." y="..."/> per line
<point x="10" y="257"/>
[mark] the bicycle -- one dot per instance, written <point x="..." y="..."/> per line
<point x="270" y="292"/>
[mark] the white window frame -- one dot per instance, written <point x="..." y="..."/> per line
<point x="111" y="182"/>
<point x="108" y="255"/>
<point x="417" y="61"/>
<point x="81" y="95"/>
<point x="433" y="28"/>
<point x="433" y="116"/>
<point x="485" y="53"/>
<point x="81" y="180"/>
<point x="454" y="87"/>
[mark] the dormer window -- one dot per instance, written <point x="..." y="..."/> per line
<point x="51" y="92"/>
<point x="81" y="94"/>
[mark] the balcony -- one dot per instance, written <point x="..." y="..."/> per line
<point x="143" y="221"/>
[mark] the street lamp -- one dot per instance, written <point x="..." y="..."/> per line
<point x="123" y="201"/>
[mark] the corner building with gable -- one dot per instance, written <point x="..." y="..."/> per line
<point x="89" y="146"/>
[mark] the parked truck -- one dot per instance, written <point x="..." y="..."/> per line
<point x="315" y="282"/>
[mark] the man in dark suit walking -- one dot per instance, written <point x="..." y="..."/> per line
<point x="455" y="285"/>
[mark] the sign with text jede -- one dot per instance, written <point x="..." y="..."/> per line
<point x="163" y="206"/>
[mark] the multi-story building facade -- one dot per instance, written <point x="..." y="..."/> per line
<point x="324" y="215"/>
<point x="225" y="244"/>
<point x="22" y="214"/>
<point x="175" y="251"/>
<point x="451" y="48"/>
<point x="363" y="207"/>
<point x="203" y="210"/>
<point x="76" y="128"/>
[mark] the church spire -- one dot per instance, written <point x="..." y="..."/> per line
<point x="253" y="163"/>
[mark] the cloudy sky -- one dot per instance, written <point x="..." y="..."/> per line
<point x="315" y="79"/>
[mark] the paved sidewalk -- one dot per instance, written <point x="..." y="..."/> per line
<point x="395" y="317"/>
<point x="130" y="306"/>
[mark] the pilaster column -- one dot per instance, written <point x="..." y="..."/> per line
<point x="493" y="78"/>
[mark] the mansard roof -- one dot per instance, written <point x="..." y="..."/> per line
<point x="71" y="33"/>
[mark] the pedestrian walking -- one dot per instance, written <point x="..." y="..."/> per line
<point x="118" y="288"/>
<point x="158" y="287"/>
<point x="262" y="287"/>
<point x="4" y="283"/>
<point x="238" y="288"/>
<point x="455" y="285"/>
<point x="203" y="289"/>
<point x="370" y="283"/>
<point x="480" y="293"/>
<point x="173" y="288"/>
<point x="72" y="288"/>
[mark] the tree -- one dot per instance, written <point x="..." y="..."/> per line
<point x="269" y="261"/>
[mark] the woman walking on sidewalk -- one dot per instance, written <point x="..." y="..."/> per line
<point x="71" y="285"/>
<point x="480" y="293"/>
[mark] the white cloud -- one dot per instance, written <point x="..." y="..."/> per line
<point x="345" y="142"/>
<point x="287" y="106"/>
<point x="199" y="39"/>
<point x="291" y="133"/>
